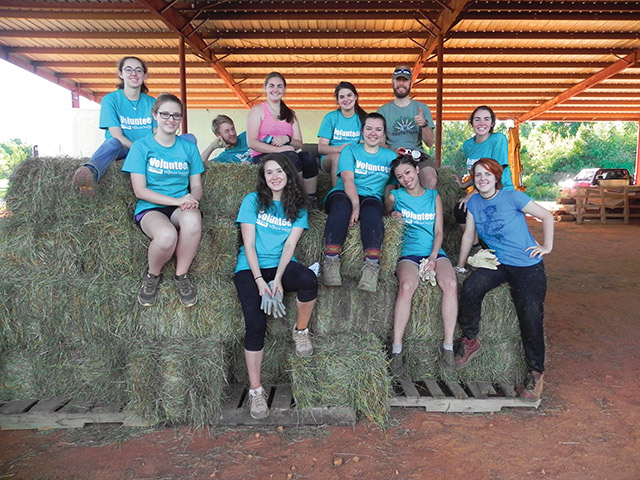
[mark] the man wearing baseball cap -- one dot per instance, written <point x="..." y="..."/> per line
<point x="409" y="124"/>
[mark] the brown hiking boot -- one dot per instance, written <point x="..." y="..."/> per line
<point x="468" y="350"/>
<point x="532" y="388"/>
<point x="331" y="272"/>
<point x="369" y="276"/>
<point x="84" y="179"/>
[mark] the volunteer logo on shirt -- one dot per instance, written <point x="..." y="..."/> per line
<point x="128" y="123"/>
<point x="410" y="217"/>
<point x="364" y="168"/>
<point x="267" y="220"/>
<point x="159" y="166"/>
<point x="339" y="134"/>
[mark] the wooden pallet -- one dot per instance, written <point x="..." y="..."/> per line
<point x="283" y="410"/>
<point x="448" y="396"/>
<point x="62" y="412"/>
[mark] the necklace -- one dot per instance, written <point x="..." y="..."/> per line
<point x="490" y="196"/>
<point x="134" y="105"/>
<point x="273" y="113"/>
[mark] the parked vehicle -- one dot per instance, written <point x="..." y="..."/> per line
<point x="591" y="177"/>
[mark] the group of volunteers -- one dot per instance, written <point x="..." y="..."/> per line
<point x="378" y="165"/>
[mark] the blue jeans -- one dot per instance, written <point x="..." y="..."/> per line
<point x="338" y="207"/>
<point x="112" y="150"/>
<point x="528" y="286"/>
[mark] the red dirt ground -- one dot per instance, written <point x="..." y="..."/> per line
<point x="586" y="427"/>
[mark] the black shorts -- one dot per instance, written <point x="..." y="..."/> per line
<point x="168" y="211"/>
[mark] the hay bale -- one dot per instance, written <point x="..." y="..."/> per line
<point x="217" y="313"/>
<point x="347" y="370"/>
<point x="502" y="358"/>
<point x="218" y="248"/>
<point x="177" y="380"/>
<point x="17" y="374"/>
<point x="225" y="185"/>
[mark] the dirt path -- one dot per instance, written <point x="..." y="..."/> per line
<point x="586" y="427"/>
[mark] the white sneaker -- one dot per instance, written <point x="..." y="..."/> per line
<point x="258" y="407"/>
<point x="303" y="342"/>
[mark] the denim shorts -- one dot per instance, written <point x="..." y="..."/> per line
<point x="417" y="258"/>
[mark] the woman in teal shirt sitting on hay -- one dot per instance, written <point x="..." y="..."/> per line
<point x="421" y="257"/>
<point x="165" y="175"/>
<point x="272" y="220"/>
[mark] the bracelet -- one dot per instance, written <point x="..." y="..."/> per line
<point x="256" y="279"/>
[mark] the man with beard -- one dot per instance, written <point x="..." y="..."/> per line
<point x="409" y="124"/>
<point x="235" y="146"/>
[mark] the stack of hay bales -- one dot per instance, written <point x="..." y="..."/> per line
<point x="70" y="268"/>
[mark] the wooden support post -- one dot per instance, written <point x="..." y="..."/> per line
<point x="440" y="73"/>
<point x="183" y="85"/>
<point x="75" y="98"/>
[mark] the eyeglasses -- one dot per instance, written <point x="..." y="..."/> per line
<point x="166" y="115"/>
<point x="130" y="70"/>
<point x="415" y="154"/>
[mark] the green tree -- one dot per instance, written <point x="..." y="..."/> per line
<point x="11" y="154"/>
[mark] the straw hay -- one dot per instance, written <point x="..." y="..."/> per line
<point x="177" y="380"/>
<point x="345" y="370"/>
<point x="70" y="268"/>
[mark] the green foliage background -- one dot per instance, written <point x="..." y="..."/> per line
<point x="11" y="154"/>
<point x="554" y="151"/>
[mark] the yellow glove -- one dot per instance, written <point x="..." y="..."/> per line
<point x="484" y="259"/>
<point x="427" y="276"/>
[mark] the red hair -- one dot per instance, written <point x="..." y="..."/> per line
<point x="492" y="166"/>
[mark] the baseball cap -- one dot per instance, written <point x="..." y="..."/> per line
<point x="402" y="71"/>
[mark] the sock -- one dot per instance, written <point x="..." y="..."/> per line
<point x="396" y="348"/>
<point x="372" y="260"/>
<point x="447" y="346"/>
<point x="372" y="254"/>
<point x="256" y="391"/>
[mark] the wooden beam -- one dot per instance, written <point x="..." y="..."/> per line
<point x="626" y="62"/>
<point x="47" y="75"/>
<point x="110" y="35"/>
<point x="445" y="21"/>
<point x="182" y="26"/>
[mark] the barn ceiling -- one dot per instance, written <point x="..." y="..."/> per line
<point x="544" y="60"/>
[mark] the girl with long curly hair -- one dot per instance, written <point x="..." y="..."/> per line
<point x="272" y="220"/>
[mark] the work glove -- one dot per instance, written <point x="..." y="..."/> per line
<point x="484" y="259"/>
<point x="267" y="303"/>
<point x="427" y="276"/>
<point x="278" y="308"/>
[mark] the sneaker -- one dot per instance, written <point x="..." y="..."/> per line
<point x="149" y="290"/>
<point x="447" y="359"/>
<point x="369" y="276"/>
<point x="303" y="342"/>
<point x="468" y="350"/>
<point x="331" y="272"/>
<point x="397" y="364"/>
<point x="186" y="290"/>
<point x="84" y="179"/>
<point x="258" y="407"/>
<point x="532" y="389"/>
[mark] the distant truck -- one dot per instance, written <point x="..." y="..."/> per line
<point x="592" y="177"/>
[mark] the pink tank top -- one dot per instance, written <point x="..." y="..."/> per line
<point x="271" y="126"/>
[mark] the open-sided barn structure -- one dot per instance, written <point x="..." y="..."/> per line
<point x="546" y="60"/>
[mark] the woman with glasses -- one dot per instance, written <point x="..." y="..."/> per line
<point x="421" y="211"/>
<point x="339" y="128"/>
<point x="125" y="115"/>
<point x="165" y="175"/>
<point x="272" y="127"/>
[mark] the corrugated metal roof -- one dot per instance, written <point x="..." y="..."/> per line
<point x="513" y="55"/>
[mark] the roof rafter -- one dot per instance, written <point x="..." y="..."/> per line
<point x="630" y="60"/>
<point x="182" y="26"/>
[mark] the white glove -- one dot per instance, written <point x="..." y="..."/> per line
<point x="427" y="276"/>
<point x="484" y="259"/>
<point x="267" y="303"/>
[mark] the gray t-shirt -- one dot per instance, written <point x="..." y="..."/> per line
<point x="402" y="131"/>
